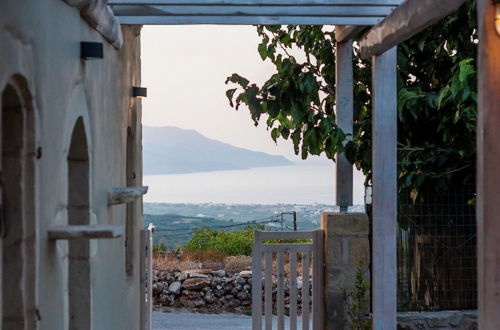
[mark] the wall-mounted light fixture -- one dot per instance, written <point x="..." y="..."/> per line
<point x="496" y="3"/>
<point x="91" y="50"/>
<point x="139" y="92"/>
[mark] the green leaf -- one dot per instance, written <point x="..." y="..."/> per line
<point x="237" y="79"/>
<point x="262" y="48"/>
<point x="229" y="95"/>
<point x="275" y="134"/>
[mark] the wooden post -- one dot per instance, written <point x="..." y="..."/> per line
<point x="488" y="173"/>
<point x="384" y="128"/>
<point x="344" y="114"/>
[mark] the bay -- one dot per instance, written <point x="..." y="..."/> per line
<point x="297" y="184"/>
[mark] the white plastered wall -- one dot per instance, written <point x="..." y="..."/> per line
<point x="40" y="40"/>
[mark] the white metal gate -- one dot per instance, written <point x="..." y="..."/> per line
<point x="311" y="254"/>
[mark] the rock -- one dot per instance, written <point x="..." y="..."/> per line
<point x="186" y="302"/>
<point x="197" y="275"/>
<point x="161" y="287"/>
<point x="228" y="297"/>
<point x="155" y="289"/>
<point x="209" y="297"/>
<point x="241" y="280"/>
<point x="234" y="303"/>
<point x="192" y="295"/>
<point x="197" y="272"/>
<point x="247" y="287"/>
<point x="219" y="293"/>
<point x="235" y="291"/>
<point x="195" y="283"/>
<point x="169" y="278"/>
<point x="219" y="273"/>
<point x="175" y="287"/>
<point x="246" y="274"/>
<point x="167" y="300"/>
<point x="246" y="302"/>
<point x="244" y="296"/>
<point x="180" y="276"/>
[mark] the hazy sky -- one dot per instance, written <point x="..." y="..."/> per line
<point x="185" y="68"/>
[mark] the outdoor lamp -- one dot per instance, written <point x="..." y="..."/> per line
<point x="139" y="92"/>
<point x="497" y="15"/>
<point x="91" y="50"/>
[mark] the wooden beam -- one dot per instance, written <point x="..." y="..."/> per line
<point x="309" y="12"/>
<point x="258" y="2"/>
<point x="344" y="116"/>
<point x="384" y="228"/>
<point x="221" y="10"/>
<point x="408" y="19"/>
<point x="248" y="20"/>
<point x="125" y="195"/>
<point x="346" y="32"/>
<point x="85" y="232"/>
<point x="488" y="173"/>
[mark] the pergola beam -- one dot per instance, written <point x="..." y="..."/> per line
<point x="295" y="3"/>
<point x="346" y="32"/>
<point x="247" y="20"/>
<point x="408" y="19"/>
<point x="309" y="12"/>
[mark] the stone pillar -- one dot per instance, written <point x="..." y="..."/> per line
<point x="346" y="243"/>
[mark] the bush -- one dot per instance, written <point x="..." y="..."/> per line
<point x="236" y="242"/>
<point x="161" y="247"/>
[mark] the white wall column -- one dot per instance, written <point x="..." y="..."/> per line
<point x="488" y="172"/>
<point x="384" y="131"/>
<point x="344" y="117"/>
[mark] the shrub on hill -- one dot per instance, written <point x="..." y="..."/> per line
<point x="236" y="242"/>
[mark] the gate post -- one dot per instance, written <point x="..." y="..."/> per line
<point x="346" y="244"/>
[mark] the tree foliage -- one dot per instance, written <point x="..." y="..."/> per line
<point x="436" y="99"/>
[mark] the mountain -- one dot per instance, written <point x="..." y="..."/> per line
<point x="172" y="150"/>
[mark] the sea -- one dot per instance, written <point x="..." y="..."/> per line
<point x="295" y="184"/>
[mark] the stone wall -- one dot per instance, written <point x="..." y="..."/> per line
<point x="346" y="244"/>
<point x="212" y="290"/>
<point x="460" y="320"/>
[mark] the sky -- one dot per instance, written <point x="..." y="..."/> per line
<point x="185" y="68"/>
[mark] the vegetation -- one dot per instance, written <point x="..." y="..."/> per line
<point x="357" y="302"/>
<point x="236" y="242"/>
<point x="436" y="100"/>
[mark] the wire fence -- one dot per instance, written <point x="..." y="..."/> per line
<point x="437" y="253"/>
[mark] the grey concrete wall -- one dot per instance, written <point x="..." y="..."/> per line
<point x="346" y="244"/>
<point x="40" y="41"/>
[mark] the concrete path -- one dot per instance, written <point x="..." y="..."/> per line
<point x="198" y="321"/>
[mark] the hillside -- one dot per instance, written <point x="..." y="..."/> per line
<point x="172" y="150"/>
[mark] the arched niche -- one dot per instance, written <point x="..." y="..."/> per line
<point x="79" y="283"/>
<point x="17" y="213"/>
